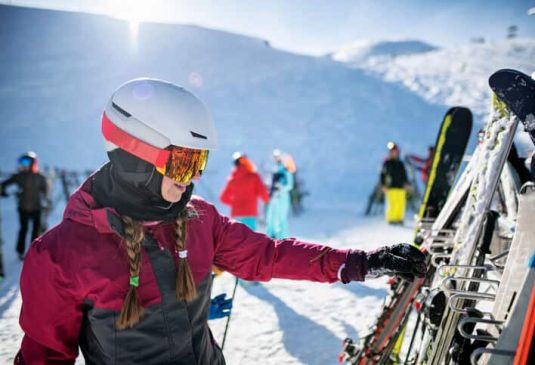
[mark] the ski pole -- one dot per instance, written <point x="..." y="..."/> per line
<point x="230" y="314"/>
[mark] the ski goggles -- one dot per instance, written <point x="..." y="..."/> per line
<point x="25" y="161"/>
<point x="178" y="163"/>
<point x="184" y="163"/>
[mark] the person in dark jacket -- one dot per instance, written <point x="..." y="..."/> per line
<point x="395" y="184"/>
<point x="242" y="191"/>
<point x="32" y="193"/>
<point x="126" y="275"/>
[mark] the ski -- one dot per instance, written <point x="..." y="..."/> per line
<point x="449" y="149"/>
<point x="493" y="151"/>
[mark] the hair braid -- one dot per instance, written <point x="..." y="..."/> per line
<point x="185" y="285"/>
<point x="132" y="309"/>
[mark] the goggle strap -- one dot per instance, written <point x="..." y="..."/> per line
<point x="154" y="155"/>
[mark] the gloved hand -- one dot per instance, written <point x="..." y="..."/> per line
<point x="220" y="307"/>
<point x="402" y="259"/>
<point x="3" y="193"/>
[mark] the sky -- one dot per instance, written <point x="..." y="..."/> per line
<point x="317" y="27"/>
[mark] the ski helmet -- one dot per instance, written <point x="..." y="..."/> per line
<point x="28" y="159"/>
<point x="159" y="123"/>
<point x="392" y="146"/>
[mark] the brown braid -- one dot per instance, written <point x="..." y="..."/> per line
<point x="185" y="285"/>
<point x="132" y="309"/>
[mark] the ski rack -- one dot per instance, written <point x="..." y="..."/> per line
<point x="499" y="133"/>
<point x="475" y="320"/>
<point x="482" y="350"/>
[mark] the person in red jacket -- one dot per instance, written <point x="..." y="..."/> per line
<point x="126" y="275"/>
<point x="243" y="189"/>
<point x="423" y="164"/>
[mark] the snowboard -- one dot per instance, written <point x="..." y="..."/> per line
<point x="450" y="145"/>
<point x="517" y="91"/>
<point x="449" y="151"/>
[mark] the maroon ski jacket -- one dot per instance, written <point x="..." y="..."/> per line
<point x="76" y="276"/>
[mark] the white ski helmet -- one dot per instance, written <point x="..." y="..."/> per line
<point x="145" y="113"/>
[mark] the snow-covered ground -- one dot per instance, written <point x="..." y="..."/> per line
<point x="280" y="322"/>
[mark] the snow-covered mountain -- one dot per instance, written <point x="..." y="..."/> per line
<point x="453" y="76"/>
<point x="372" y="51"/>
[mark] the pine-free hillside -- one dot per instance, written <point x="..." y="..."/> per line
<point x="327" y="115"/>
<point x="450" y="76"/>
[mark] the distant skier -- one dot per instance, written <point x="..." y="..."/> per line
<point x="423" y="164"/>
<point x="242" y="191"/>
<point x="395" y="185"/>
<point x="126" y="275"/>
<point x="297" y="193"/>
<point x="278" y="207"/>
<point x="32" y="197"/>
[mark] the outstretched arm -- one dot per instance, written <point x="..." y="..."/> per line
<point x="254" y="256"/>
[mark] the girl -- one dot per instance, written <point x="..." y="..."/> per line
<point x="126" y="275"/>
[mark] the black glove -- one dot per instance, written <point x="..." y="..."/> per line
<point x="402" y="259"/>
<point x="3" y="193"/>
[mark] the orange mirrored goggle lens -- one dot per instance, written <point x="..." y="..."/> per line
<point x="184" y="163"/>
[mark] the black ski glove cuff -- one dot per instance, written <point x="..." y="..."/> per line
<point x="355" y="267"/>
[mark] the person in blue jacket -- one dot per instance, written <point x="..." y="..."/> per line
<point x="278" y="206"/>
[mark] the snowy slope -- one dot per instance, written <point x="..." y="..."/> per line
<point x="55" y="83"/>
<point x="367" y="51"/>
<point x="456" y="76"/>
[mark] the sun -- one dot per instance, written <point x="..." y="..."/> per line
<point x="134" y="12"/>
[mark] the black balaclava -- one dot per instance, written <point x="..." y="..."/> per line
<point x="133" y="188"/>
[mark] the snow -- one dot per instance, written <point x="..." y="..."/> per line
<point x="455" y="76"/>
<point x="335" y="118"/>
<point x="280" y="322"/>
<point x="368" y="51"/>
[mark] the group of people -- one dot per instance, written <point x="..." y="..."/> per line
<point x="244" y="188"/>
<point x="126" y="275"/>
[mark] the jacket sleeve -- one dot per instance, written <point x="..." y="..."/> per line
<point x="9" y="181"/>
<point x="261" y="189"/>
<point x="254" y="256"/>
<point x="226" y="194"/>
<point x="384" y="174"/>
<point x="288" y="182"/>
<point x="51" y="313"/>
